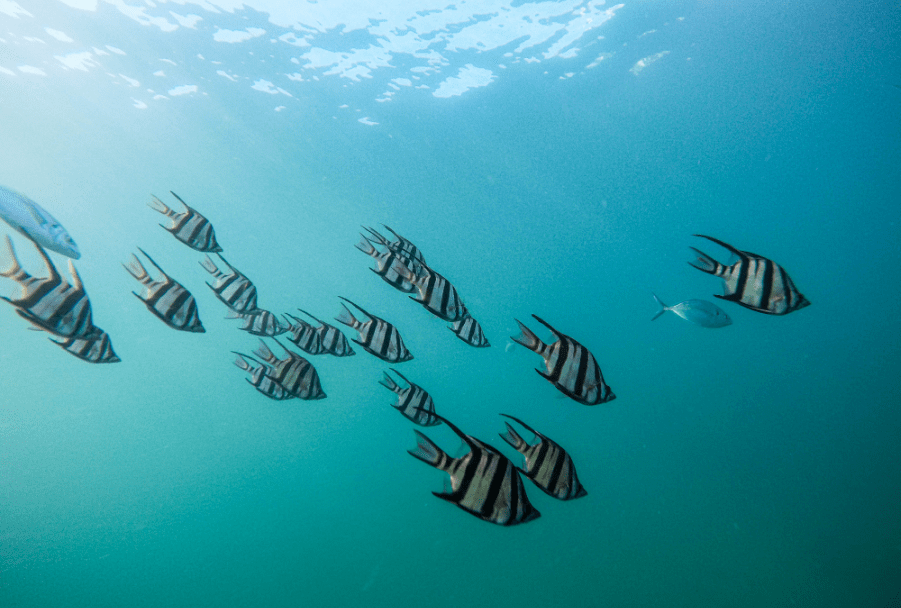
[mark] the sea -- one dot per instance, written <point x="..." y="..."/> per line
<point x="549" y="158"/>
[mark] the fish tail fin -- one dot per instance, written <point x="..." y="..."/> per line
<point x="137" y="270"/>
<point x="241" y="362"/>
<point x="347" y="317"/>
<point x="265" y="354"/>
<point x="366" y="247"/>
<point x="377" y="236"/>
<point x="663" y="307"/>
<point x="15" y="269"/>
<point x="389" y="383"/>
<point x="428" y="452"/>
<point x="513" y="438"/>
<point x="705" y="263"/>
<point x="209" y="265"/>
<point x="528" y="339"/>
<point x="158" y="205"/>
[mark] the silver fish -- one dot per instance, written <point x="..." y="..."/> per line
<point x="699" y="312"/>
<point x="33" y="221"/>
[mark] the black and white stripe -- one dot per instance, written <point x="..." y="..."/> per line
<point x="547" y="464"/>
<point x="384" y="265"/>
<point x="189" y="227"/>
<point x="295" y="373"/>
<point x="469" y="330"/>
<point x="305" y="336"/>
<point x="260" y="323"/>
<point x="51" y="304"/>
<point x="260" y="380"/>
<point x="96" y="348"/>
<point x="754" y="281"/>
<point x="483" y="481"/>
<point x="165" y="297"/>
<point x="232" y="288"/>
<point x="413" y="402"/>
<point x="331" y="338"/>
<point x="570" y="366"/>
<point x="435" y="292"/>
<point x="377" y="336"/>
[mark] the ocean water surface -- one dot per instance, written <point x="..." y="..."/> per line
<point x="549" y="158"/>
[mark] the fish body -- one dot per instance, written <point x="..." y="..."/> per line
<point x="165" y="297"/>
<point x="469" y="330"/>
<point x="232" y="288"/>
<point x="189" y="227"/>
<point x="305" y="337"/>
<point x="755" y="282"/>
<point x="571" y="368"/>
<point x="331" y="338"/>
<point x="295" y="374"/>
<point x="32" y="220"/>
<point x="384" y="265"/>
<point x="51" y="303"/>
<point x="483" y="481"/>
<point x="377" y="336"/>
<point x="260" y="323"/>
<point x="435" y="292"/>
<point x="547" y="464"/>
<point x="260" y="378"/>
<point x="413" y="402"/>
<point x="699" y="312"/>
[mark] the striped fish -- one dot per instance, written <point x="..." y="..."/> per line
<point x="469" y="330"/>
<point x="305" y="336"/>
<point x="435" y="292"/>
<point x="413" y="402"/>
<point x="260" y="380"/>
<point x="51" y="304"/>
<point x="295" y="373"/>
<point x="332" y="339"/>
<point x="377" y="336"/>
<point x="232" y="288"/>
<point x="165" y="297"/>
<point x="95" y="348"/>
<point x="403" y="247"/>
<point x="547" y="464"/>
<point x="36" y="223"/>
<point x="189" y="227"/>
<point x="570" y="367"/>
<point x="384" y="265"/>
<point x="483" y="481"/>
<point x="260" y="323"/>
<point x="754" y="281"/>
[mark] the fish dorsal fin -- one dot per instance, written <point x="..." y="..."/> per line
<point x="51" y="269"/>
<point x="76" y="279"/>
<point x="548" y="325"/>
<point x="732" y="250"/>
<point x="180" y="201"/>
<point x="524" y="425"/>
<point x="155" y="265"/>
<point x="358" y="308"/>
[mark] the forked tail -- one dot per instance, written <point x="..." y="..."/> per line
<point x="528" y="339"/>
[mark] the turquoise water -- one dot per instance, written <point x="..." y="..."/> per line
<point x="754" y="465"/>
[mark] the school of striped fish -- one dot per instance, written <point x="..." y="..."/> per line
<point x="483" y="481"/>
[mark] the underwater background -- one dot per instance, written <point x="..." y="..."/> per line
<point x="559" y="172"/>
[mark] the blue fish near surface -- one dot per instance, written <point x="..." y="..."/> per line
<point x="699" y="312"/>
<point x="33" y="221"/>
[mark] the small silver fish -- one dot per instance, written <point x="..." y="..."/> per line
<point x="33" y="221"/>
<point x="698" y="312"/>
